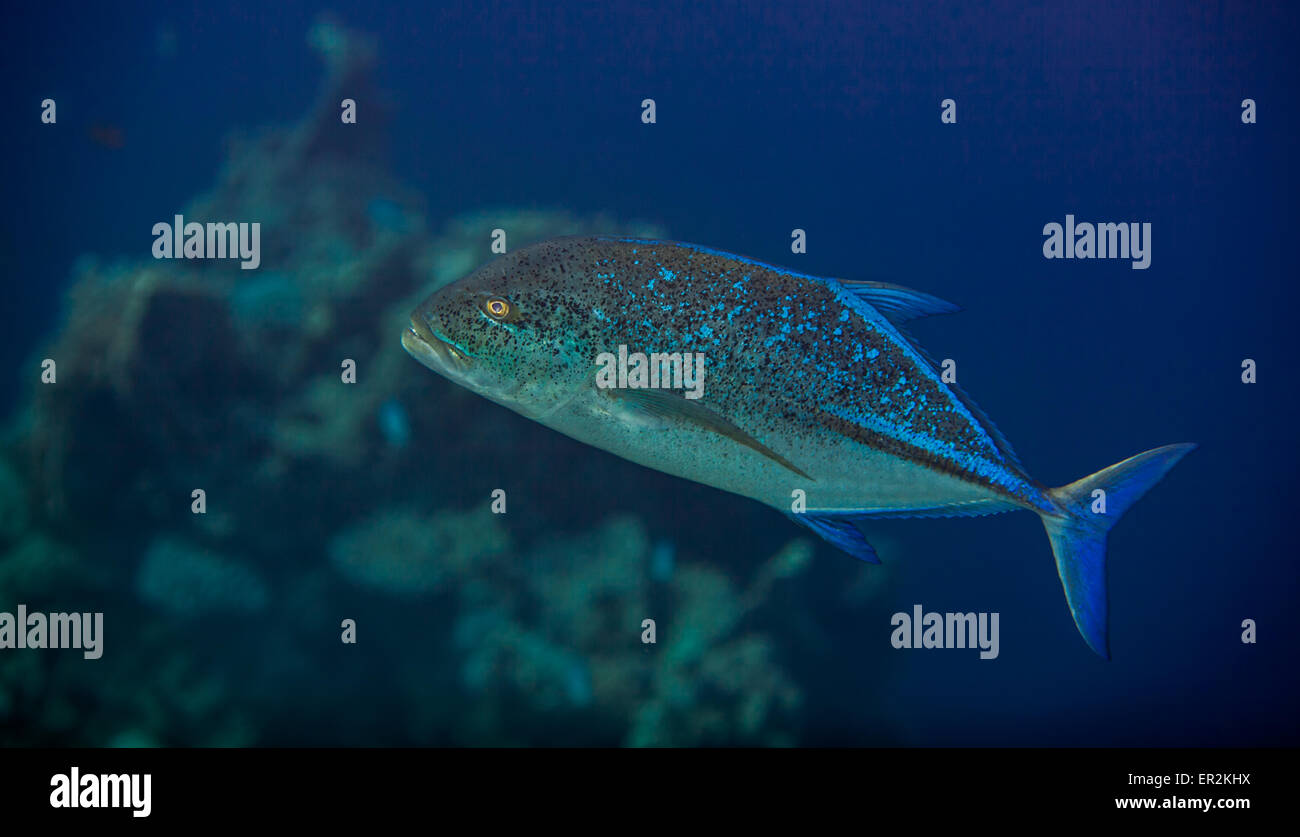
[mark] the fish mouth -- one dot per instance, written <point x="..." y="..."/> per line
<point x="452" y="361"/>
<point x="434" y="351"/>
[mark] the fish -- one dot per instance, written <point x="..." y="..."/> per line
<point x="815" y="400"/>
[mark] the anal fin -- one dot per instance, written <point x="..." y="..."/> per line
<point x="840" y="533"/>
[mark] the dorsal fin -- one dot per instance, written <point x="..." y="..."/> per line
<point x="896" y="303"/>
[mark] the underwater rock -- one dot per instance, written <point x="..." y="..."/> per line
<point x="39" y="565"/>
<point x="151" y="692"/>
<point x="345" y="50"/>
<point x="189" y="580"/>
<point x="561" y="639"/>
<point x="131" y="739"/>
<point x="590" y="587"/>
<point x="270" y="300"/>
<point x="143" y="373"/>
<point x="736" y="694"/>
<point x="790" y="561"/>
<point x="404" y="552"/>
<point x="524" y="663"/>
<point x="14" y="512"/>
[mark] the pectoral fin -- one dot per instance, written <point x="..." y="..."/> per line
<point x="668" y="405"/>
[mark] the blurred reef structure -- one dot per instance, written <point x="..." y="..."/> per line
<point x="328" y="501"/>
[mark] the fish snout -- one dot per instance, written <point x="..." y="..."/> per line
<point x="419" y="328"/>
<point x="424" y="344"/>
<point x="419" y="341"/>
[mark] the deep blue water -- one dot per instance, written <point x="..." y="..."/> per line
<point x="826" y="118"/>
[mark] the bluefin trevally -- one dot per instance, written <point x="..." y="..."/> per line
<point x="809" y="385"/>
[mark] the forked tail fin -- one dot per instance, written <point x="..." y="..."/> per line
<point x="1078" y="535"/>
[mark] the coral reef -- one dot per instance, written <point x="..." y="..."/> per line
<point x="14" y="512"/>
<point x="402" y="551"/>
<point x="328" y="500"/>
<point x="188" y="580"/>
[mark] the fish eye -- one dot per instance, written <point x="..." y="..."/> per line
<point x="496" y="308"/>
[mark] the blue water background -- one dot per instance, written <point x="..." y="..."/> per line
<point x="826" y="118"/>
